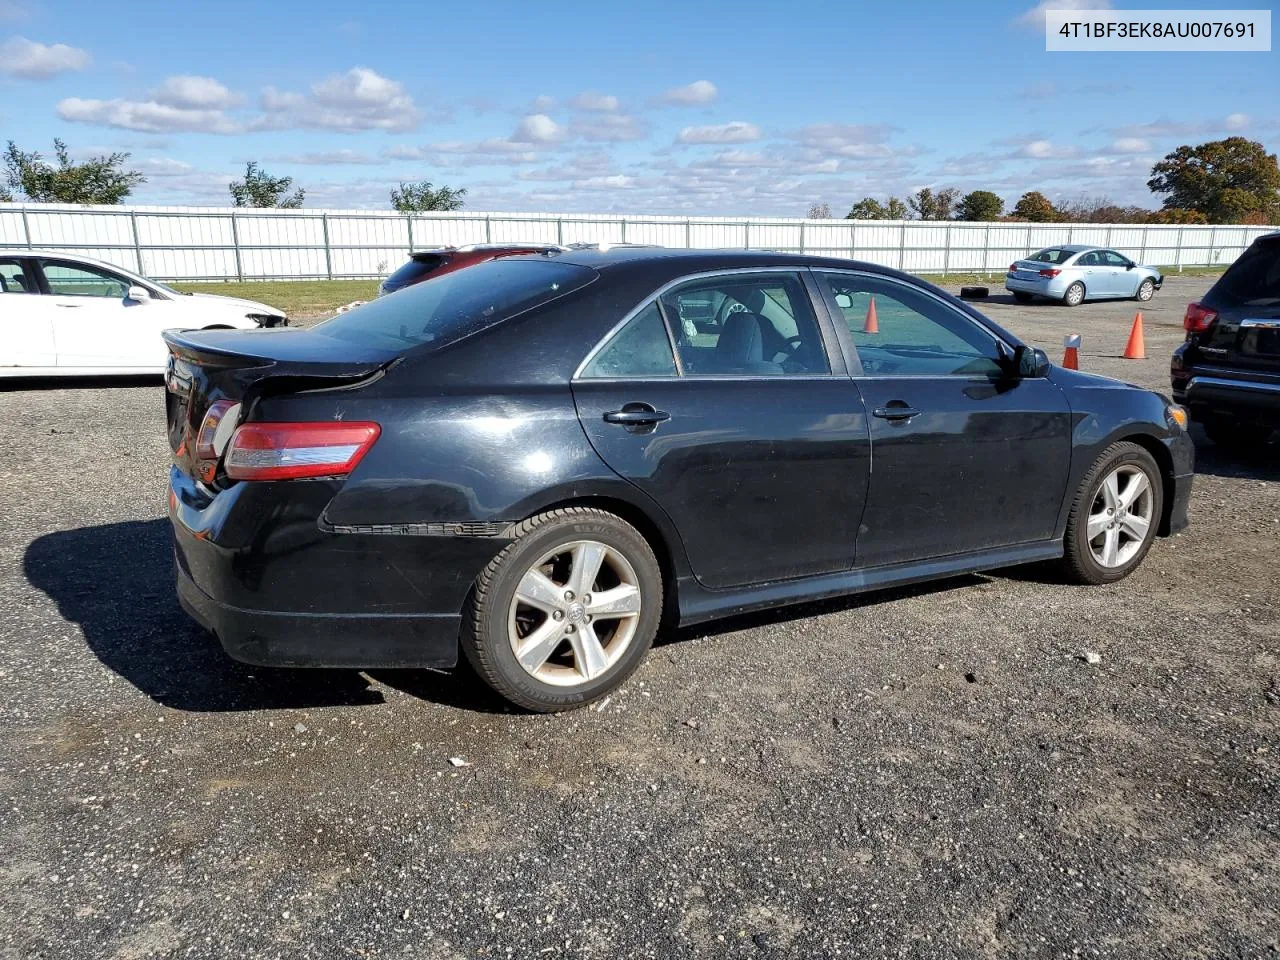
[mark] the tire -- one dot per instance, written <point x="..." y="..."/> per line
<point x="1236" y="437"/>
<point x="1074" y="295"/>
<point x="553" y="545"/>
<point x="1022" y="296"/>
<point x="973" y="293"/>
<point x="1146" y="290"/>
<point x="1082" y="562"/>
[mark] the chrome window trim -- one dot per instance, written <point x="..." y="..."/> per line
<point x="797" y="269"/>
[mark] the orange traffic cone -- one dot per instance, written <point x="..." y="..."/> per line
<point x="1136" y="348"/>
<point x="1071" y="359"/>
<point x="873" y="323"/>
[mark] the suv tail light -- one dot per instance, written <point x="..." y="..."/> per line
<point x="1050" y="272"/>
<point x="290" y="451"/>
<point x="1198" y="319"/>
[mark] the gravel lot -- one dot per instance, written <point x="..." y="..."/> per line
<point x="935" y="772"/>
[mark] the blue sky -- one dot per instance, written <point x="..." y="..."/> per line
<point x="737" y="108"/>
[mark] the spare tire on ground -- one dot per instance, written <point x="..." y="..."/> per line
<point x="973" y="293"/>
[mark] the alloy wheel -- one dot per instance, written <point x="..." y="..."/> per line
<point x="574" y="613"/>
<point x="1121" y="515"/>
<point x="1075" y="295"/>
<point x="1146" y="290"/>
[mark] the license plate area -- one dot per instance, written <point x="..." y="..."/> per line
<point x="1259" y="338"/>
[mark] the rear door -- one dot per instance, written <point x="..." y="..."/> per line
<point x="718" y="398"/>
<point x="1089" y="266"/>
<point x="1246" y="334"/>
<point x="963" y="458"/>
<point x="26" y="323"/>
<point x="94" y="322"/>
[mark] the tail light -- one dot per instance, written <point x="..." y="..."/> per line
<point x="290" y="451"/>
<point x="1013" y="268"/>
<point x="215" y="429"/>
<point x="1198" y="319"/>
<point x="1050" y="272"/>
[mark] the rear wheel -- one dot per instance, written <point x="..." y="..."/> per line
<point x="1236" y="437"/>
<point x="1146" y="290"/>
<point x="1114" y="516"/>
<point x="1022" y="297"/>
<point x="566" y="612"/>
<point x="1074" y="295"/>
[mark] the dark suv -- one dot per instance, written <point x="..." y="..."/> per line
<point x="1227" y="373"/>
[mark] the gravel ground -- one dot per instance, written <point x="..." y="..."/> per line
<point x="939" y="772"/>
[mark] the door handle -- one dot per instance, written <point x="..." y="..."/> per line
<point x="895" y="410"/>
<point x="637" y="415"/>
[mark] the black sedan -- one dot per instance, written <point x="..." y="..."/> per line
<point x="543" y="459"/>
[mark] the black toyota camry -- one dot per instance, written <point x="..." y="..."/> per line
<point x="539" y="460"/>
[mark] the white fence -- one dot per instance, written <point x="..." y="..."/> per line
<point x="209" y="243"/>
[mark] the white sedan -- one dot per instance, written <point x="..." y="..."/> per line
<point x="62" y="314"/>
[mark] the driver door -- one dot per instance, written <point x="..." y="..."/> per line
<point x="963" y="458"/>
<point x="94" y="322"/>
<point x="1121" y="281"/>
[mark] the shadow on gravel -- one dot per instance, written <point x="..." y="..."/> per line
<point x="14" y="384"/>
<point x="116" y="582"/>
<point x="1212" y="460"/>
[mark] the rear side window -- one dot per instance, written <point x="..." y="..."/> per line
<point x="455" y="305"/>
<point x="1052" y="255"/>
<point x="13" y="279"/>
<point x="413" y="271"/>
<point x="1253" y="280"/>
<point x="640" y="349"/>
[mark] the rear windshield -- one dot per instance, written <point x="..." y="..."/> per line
<point x="1253" y="280"/>
<point x="413" y="271"/>
<point x="454" y="305"/>
<point x="1052" y="255"/>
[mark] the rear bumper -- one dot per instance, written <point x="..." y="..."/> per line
<point x="1215" y="396"/>
<point x="1055" y="288"/>
<point x="257" y="566"/>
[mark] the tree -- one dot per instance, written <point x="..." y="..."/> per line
<point x="869" y="208"/>
<point x="1035" y="206"/>
<point x="1226" y="180"/>
<point x="260" y="189"/>
<point x="928" y="205"/>
<point x="1176" y="215"/>
<point x="416" y="197"/>
<point x="980" y="205"/>
<point x="100" y="179"/>
<point x="819" y="211"/>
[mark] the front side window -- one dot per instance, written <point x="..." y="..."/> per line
<point x="748" y="324"/>
<point x="13" y="279"/>
<point x="913" y="333"/>
<point x="1113" y="259"/>
<point x="639" y="349"/>
<point x="66" y="280"/>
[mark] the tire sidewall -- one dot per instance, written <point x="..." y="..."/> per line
<point x="491" y="623"/>
<point x="1128" y="454"/>
<point x="1146" y="290"/>
<point x="1066" y="297"/>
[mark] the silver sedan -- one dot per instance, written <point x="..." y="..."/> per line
<point x="1074" y="273"/>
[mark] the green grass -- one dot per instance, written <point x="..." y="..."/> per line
<point x="297" y="298"/>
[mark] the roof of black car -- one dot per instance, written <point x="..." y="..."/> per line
<point x="612" y="256"/>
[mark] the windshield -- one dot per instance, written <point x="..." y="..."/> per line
<point x="454" y="305"/>
<point x="1052" y="255"/>
<point x="1254" y="279"/>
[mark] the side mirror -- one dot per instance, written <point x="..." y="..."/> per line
<point x="1130" y="265"/>
<point x="1028" y="362"/>
<point x="138" y="294"/>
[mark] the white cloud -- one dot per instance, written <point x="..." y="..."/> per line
<point x="595" y="102"/>
<point x="330" y="158"/>
<point x="700" y="91"/>
<point x="1236" y="121"/>
<point x="195" y="93"/>
<point x="537" y="128"/>
<point x="542" y="103"/>
<point x="1043" y="150"/>
<point x="147" y="116"/>
<point x="20" y="57"/>
<point x="1130" y="145"/>
<point x="609" y="128"/>
<point x="1035" y="16"/>
<point x="615" y="181"/>
<point x="1164" y="127"/>
<point x="849" y="140"/>
<point x="13" y="10"/>
<point x="360" y="99"/>
<point x="737" y="131"/>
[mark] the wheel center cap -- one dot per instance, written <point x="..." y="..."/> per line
<point x="575" y="613"/>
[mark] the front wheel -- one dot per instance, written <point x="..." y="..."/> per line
<point x="566" y="612"/>
<point x="1146" y="290"/>
<point x="1114" y="516"/>
<point x="1074" y="295"/>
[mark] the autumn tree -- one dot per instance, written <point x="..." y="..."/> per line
<point x="869" y="208"/>
<point x="979" y="205"/>
<point x="819" y="211"/>
<point x="101" y="179"/>
<point x="1035" y="206"/>
<point x="1226" y="180"/>
<point x="927" y="205"/>
<point x="259" y="189"/>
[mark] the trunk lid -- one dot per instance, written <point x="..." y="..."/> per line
<point x="206" y="366"/>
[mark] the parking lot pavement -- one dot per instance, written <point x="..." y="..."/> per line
<point x="936" y="772"/>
